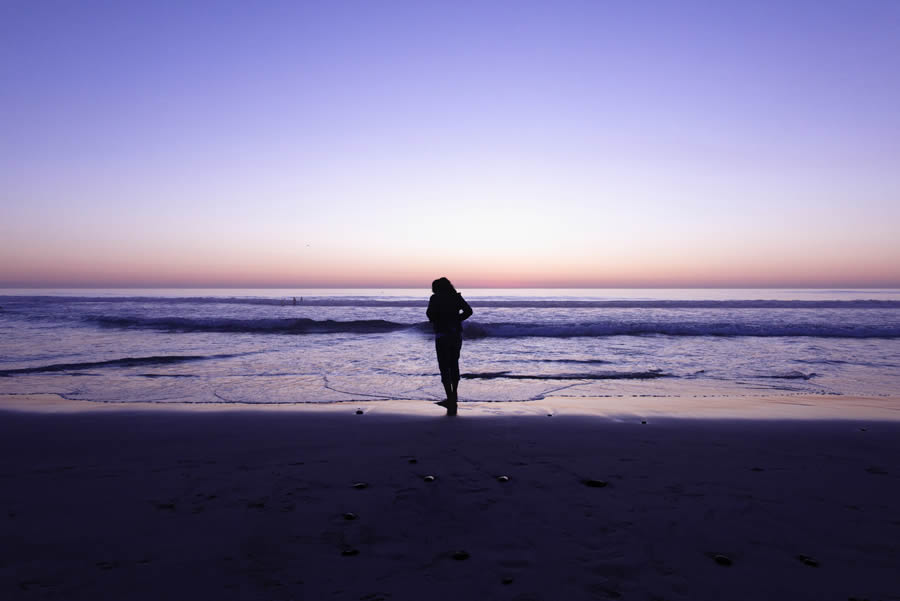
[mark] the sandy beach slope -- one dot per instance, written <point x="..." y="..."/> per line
<point x="119" y="503"/>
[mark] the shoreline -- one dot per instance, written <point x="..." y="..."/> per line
<point x="789" y="406"/>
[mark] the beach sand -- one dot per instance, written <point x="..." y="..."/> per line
<point x="208" y="502"/>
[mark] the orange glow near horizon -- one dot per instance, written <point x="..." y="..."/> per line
<point x="380" y="270"/>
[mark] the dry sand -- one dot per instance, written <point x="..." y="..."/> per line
<point x="106" y="502"/>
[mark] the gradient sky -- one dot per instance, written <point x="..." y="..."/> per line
<point x="385" y="143"/>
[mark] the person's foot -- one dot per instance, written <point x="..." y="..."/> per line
<point x="449" y="405"/>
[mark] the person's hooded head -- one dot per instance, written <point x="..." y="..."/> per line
<point x="442" y="287"/>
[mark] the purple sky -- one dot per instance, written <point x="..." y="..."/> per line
<point x="502" y="143"/>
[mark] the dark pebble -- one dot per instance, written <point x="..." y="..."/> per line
<point x="507" y="580"/>
<point x="502" y="478"/>
<point x="359" y="412"/>
<point x="360" y="485"/>
<point x="594" y="483"/>
<point x="350" y="552"/>
<point x="429" y="478"/>
<point x="643" y="421"/>
<point x="756" y="469"/>
<point x="460" y="555"/>
<point x="808" y="561"/>
<point x="350" y="516"/>
<point x="722" y="560"/>
<point x="414" y="461"/>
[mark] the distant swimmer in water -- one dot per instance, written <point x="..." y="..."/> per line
<point x="447" y="309"/>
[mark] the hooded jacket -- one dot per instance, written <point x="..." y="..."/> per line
<point x="446" y="312"/>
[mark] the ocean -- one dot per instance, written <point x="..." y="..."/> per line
<point x="322" y="346"/>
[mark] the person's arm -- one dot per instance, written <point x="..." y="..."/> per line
<point x="466" y="309"/>
<point x="430" y="312"/>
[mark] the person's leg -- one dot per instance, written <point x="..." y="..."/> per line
<point x="445" y="351"/>
<point x="445" y="363"/>
<point x="454" y="368"/>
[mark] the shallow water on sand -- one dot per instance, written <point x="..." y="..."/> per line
<point x="252" y="346"/>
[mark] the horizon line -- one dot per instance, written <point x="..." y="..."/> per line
<point x="395" y="287"/>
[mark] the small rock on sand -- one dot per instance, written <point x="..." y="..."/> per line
<point x="808" y="561"/>
<point x="502" y="478"/>
<point x="593" y="483"/>
<point x="350" y="516"/>
<point x="722" y="560"/>
<point x="361" y="485"/>
<point x="460" y="555"/>
<point x="507" y="580"/>
<point x="359" y="412"/>
<point x="414" y="461"/>
<point x="429" y="478"/>
<point x="350" y="552"/>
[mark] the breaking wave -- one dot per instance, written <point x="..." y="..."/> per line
<point x="258" y="326"/>
<point x="612" y="328"/>
<point x="475" y="330"/>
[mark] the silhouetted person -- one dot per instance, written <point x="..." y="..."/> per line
<point x="446" y="311"/>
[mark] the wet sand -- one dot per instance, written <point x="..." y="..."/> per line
<point x="106" y="502"/>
